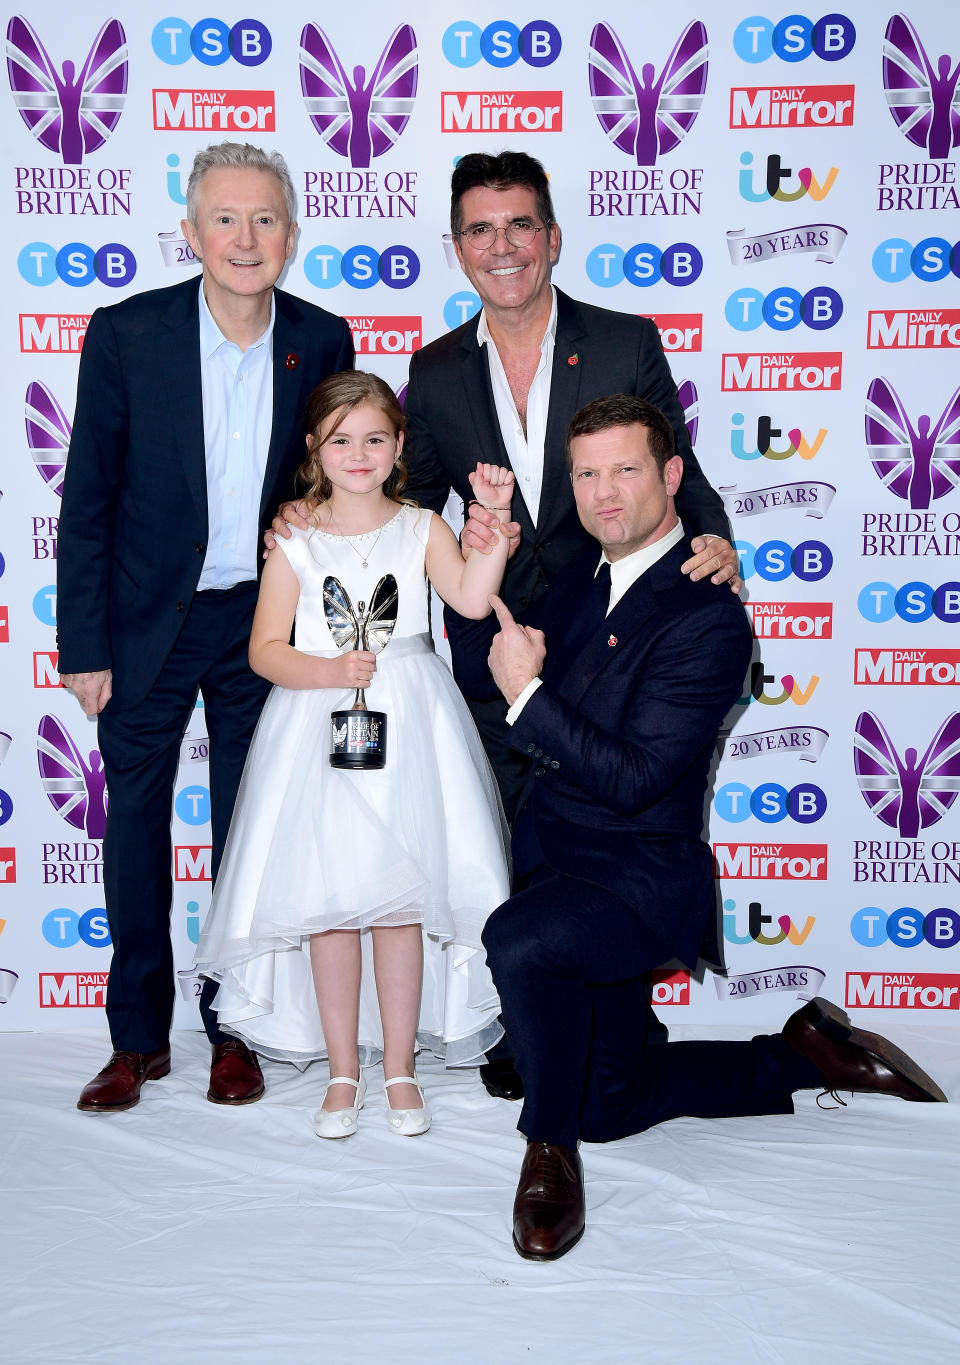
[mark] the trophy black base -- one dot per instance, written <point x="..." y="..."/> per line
<point x="359" y="740"/>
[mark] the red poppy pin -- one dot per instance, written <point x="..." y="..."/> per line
<point x="612" y="640"/>
<point x="292" y="361"/>
<point x="573" y="360"/>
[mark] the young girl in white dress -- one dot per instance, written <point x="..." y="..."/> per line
<point x="348" y="909"/>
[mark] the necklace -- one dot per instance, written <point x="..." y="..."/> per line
<point x="363" y="558"/>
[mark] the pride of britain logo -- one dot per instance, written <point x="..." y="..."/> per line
<point x="924" y="102"/>
<point x="76" y="787"/>
<point x="907" y="793"/>
<point x="919" y="464"/>
<point x="647" y="117"/>
<point x="48" y="434"/>
<point x="70" y="112"/>
<point x="358" y="119"/>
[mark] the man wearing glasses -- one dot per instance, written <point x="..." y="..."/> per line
<point x="504" y="387"/>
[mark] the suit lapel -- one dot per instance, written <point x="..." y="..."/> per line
<point x="289" y="367"/>
<point x="564" y="401"/>
<point x="627" y="619"/>
<point x="178" y="347"/>
<point x="483" y="414"/>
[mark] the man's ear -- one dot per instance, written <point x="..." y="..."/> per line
<point x="672" y="474"/>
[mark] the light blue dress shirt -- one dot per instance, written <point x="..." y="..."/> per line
<point x="237" y="421"/>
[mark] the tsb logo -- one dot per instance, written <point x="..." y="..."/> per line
<point x="65" y="928"/>
<point x="501" y="43"/>
<point x="775" y="560"/>
<point x="361" y="267"/>
<point x="914" y="602"/>
<point x="931" y="260"/>
<point x="212" y="42"/>
<point x="830" y="38"/>
<point x="644" y="264"/>
<point x="771" y="803"/>
<point x="783" y="309"/>
<point x="77" y="264"/>
<point x="906" y="927"/>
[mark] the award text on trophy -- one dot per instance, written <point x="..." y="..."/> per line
<point x="360" y="735"/>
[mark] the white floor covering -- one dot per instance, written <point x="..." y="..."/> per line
<point x="183" y="1231"/>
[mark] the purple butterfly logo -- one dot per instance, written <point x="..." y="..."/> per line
<point x="924" y="103"/>
<point x="647" y="118"/>
<point x="690" y="402"/>
<point x="71" y="114"/>
<point x="359" y="119"/>
<point x="919" y="465"/>
<point x="48" y="434"/>
<point x="76" y="789"/>
<point x="906" y="793"/>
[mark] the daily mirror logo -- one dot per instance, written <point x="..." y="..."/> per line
<point x="791" y="106"/>
<point x="71" y="112"/>
<point x="647" y="116"/>
<point x="358" y="118"/>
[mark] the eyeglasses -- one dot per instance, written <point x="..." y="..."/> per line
<point x="481" y="236"/>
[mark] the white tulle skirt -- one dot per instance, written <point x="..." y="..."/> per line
<point x="314" y="848"/>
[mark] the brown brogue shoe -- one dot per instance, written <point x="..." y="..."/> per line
<point x="549" y="1210"/>
<point x="118" y="1085"/>
<point x="850" y="1059"/>
<point x="235" y="1075"/>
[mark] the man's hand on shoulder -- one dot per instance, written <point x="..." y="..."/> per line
<point x="290" y="514"/>
<point x="92" y="690"/>
<point x="480" y="530"/>
<point x="516" y="655"/>
<point x="715" y="557"/>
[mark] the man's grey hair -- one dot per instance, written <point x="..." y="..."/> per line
<point x="244" y="156"/>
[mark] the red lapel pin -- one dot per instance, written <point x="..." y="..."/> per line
<point x="292" y="361"/>
<point x="611" y="640"/>
<point x="573" y="360"/>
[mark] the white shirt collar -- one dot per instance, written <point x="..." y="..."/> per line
<point x="483" y="331"/>
<point x="625" y="572"/>
<point x="211" y="337"/>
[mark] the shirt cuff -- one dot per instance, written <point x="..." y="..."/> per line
<point x="531" y="687"/>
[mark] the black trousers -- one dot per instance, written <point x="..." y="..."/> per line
<point x="140" y="746"/>
<point x="568" y="959"/>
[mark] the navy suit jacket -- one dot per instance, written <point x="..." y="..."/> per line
<point x="452" y="423"/>
<point x="133" y="525"/>
<point x="622" y="734"/>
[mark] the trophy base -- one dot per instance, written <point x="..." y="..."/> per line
<point x="359" y="739"/>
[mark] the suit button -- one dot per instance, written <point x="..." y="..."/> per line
<point x="538" y="753"/>
<point x="180" y="607"/>
<point x="530" y="749"/>
<point x="554" y="763"/>
<point x="539" y="772"/>
<point x="199" y="547"/>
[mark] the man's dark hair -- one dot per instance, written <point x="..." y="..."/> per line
<point x="480" y="169"/>
<point x="624" y="410"/>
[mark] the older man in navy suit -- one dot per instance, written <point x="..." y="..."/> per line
<point x="616" y="694"/>
<point x="187" y="433"/>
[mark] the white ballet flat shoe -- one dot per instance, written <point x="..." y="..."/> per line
<point x="407" y="1122"/>
<point x="340" y="1123"/>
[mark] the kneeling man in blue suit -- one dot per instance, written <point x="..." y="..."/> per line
<point x="617" y="689"/>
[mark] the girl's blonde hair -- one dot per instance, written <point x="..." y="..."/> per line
<point x="333" y="399"/>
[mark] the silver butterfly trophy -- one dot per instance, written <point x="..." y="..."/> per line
<point x="360" y="735"/>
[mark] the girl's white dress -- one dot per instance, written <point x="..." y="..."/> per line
<point x="313" y="847"/>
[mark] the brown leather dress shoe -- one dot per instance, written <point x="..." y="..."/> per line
<point x="850" y="1059"/>
<point x="118" y="1085"/>
<point x="549" y="1210"/>
<point x="235" y="1075"/>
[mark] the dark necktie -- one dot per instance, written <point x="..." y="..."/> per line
<point x="591" y="610"/>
